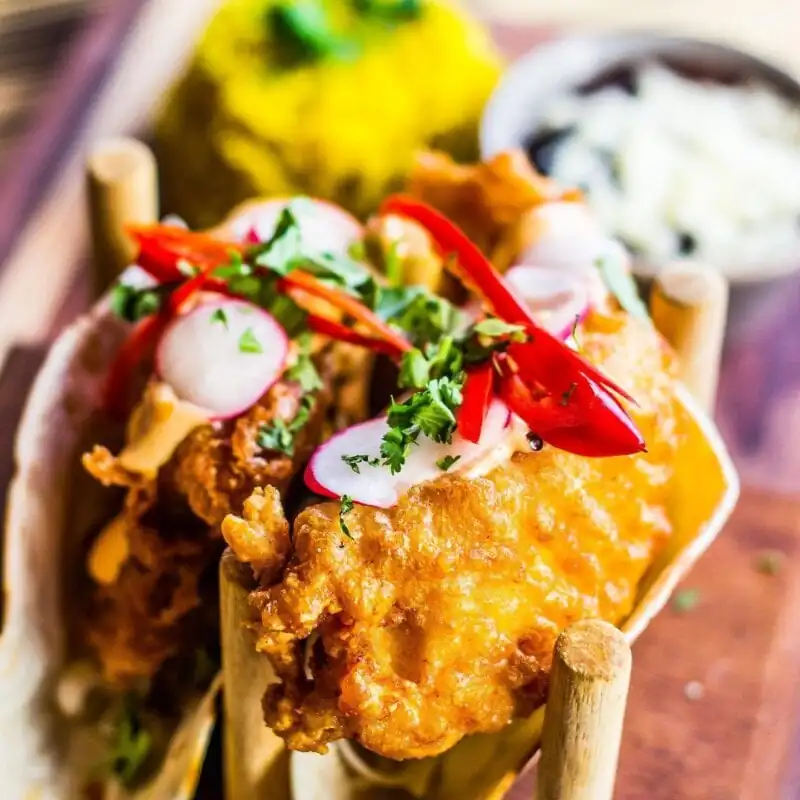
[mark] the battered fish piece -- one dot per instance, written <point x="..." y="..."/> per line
<point x="151" y="609"/>
<point x="438" y="618"/>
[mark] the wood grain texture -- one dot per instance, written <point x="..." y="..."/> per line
<point x="585" y="710"/>
<point x="739" y="740"/>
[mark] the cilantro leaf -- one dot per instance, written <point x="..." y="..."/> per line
<point x="303" y="371"/>
<point x="495" y="328"/>
<point x="248" y="343"/>
<point x="345" y="508"/>
<point x="220" y="316"/>
<point x="132" y="303"/>
<point x="430" y="411"/>
<point x="423" y="317"/>
<point x="132" y="742"/>
<point x="418" y="368"/>
<point x="621" y="284"/>
<point x="447" y="462"/>
<point x="278" y="435"/>
<point x="354" y="461"/>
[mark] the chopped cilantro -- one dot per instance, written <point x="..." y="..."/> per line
<point x="447" y="462"/>
<point x="302" y="32"/>
<point x="303" y="370"/>
<point x="430" y="412"/>
<point x="354" y="461"/>
<point x="279" y="435"/>
<point x="220" y="316"/>
<point x="685" y="600"/>
<point x="345" y="508"/>
<point x="621" y="284"/>
<point x="132" y="742"/>
<point x="423" y="317"/>
<point x="132" y="303"/>
<point x="248" y="342"/>
<point x="418" y="368"/>
<point x="493" y="328"/>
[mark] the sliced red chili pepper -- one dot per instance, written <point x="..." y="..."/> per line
<point x="541" y="415"/>
<point x="341" y="333"/>
<point x="134" y="350"/>
<point x="345" y="302"/>
<point x="477" y="269"/>
<point x="477" y="396"/>
<point x="609" y="431"/>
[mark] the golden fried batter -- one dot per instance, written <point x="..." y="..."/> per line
<point x="438" y="618"/>
<point x="149" y="610"/>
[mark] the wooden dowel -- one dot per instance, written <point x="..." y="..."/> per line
<point x="256" y="761"/>
<point x="584" y="715"/>
<point x="122" y="187"/>
<point x="689" y="306"/>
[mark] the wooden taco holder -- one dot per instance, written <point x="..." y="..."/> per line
<point x="592" y="659"/>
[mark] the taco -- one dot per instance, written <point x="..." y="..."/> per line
<point x="210" y="372"/>
<point x="537" y="470"/>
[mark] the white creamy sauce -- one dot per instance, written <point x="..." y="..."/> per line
<point x="685" y="168"/>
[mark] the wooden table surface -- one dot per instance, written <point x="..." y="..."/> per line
<point x="738" y="650"/>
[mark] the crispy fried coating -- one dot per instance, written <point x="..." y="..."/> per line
<point x="153" y="608"/>
<point x="438" y="618"/>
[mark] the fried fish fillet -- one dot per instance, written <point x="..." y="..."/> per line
<point x="153" y="608"/>
<point x="438" y="618"/>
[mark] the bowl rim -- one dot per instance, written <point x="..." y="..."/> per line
<point x="494" y="135"/>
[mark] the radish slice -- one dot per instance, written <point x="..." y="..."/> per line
<point x="323" y="225"/>
<point x="570" y="238"/>
<point x="222" y="355"/>
<point x="327" y="474"/>
<point x="557" y="297"/>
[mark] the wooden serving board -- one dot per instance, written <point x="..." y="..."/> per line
<point x="738" y="650"/>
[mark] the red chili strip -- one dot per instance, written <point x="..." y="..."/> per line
<point x="348" y="304"/>
<point x="609" y="433"/>
<point x="477" y="397"/>
<point x="450" y="239"/>
<point x="133" y="351"/>
<point x="341" y="333"/>
<point x="541" y="415"/>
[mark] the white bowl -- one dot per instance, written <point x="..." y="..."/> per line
<point x="514" y="111"/>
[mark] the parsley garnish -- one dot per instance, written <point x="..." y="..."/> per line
<point x="354" y="461"/>
<point x="429" y="412"/>
<point x="220" y="316"/>
<point x="345" y="508"/>
<point x="447" y="462"/>
<point x="279" y="435"/>
<point x="303" y="370"/>
<point x="248" y="342"/>
<point x="621" y="284"/>
<point x="424" y="317"/>
<point x="495" y="329"/>
<point x="132" y="742"/>
<point x="132" y="303"/>
<point x="417" y="367"/>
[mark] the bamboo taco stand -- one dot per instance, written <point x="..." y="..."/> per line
<point x="591" y="670"/>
